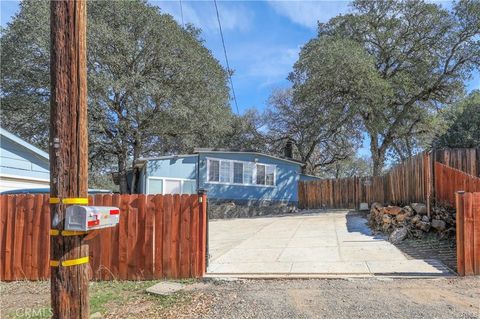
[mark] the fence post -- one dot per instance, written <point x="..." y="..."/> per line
<point x="459" y="197"/>
<point x="202" y="193"/>
<point x="427" y="164"/>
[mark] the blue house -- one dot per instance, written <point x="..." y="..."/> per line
<point x="243" y="177"/>
<point x="22" y="165"/>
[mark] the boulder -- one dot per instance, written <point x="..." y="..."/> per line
<point x="376" y="207"/>
<point x="401" y="218"/>
<point x="425" y="226"/>
<point x="387" y="219"/>
<point x="416" y="219"/>
<point x="419" y="208"/>
<point x="425" y="218"/>
<point x="398" y="235"/>
<point x="408" y="210"/>
<point x="392" y="210"/>
<point x="386" y="228"/>
<point x="439" y="225"/>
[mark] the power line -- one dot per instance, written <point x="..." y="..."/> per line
<point x="181" y="13"/>
<point x="226" y="57"/>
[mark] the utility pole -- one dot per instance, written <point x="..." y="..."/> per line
<point x="68" y="156"/>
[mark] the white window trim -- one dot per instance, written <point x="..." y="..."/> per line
<point x="182" y="180"/>
<point x="208" y="170"/>
<point x="254" y="172"/>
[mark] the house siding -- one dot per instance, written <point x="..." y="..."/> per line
<point x="182" y="167"/>
<point x="188" y="167"/>
<point x="20" y="167"/>
<point x="14" y="160"/>
<point x="286" y="181"/>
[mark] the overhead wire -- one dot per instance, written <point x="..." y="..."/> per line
<point x="181" y="14"/>
<point x="226" y="57"/>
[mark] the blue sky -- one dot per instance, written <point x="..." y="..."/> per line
<point x="263" y="38"/>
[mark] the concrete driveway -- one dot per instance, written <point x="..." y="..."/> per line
<point x="330" y="243"/>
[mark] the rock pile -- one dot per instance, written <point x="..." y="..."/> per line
<point x="411" y="221"/>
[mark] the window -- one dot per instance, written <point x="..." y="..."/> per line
<point x="155" y="186"/>
<point x="161" y="185"/>
<point x="248" y="173"/>
<point x="225" y="172"/>
<point x="189" y="187"/>
<point x="260" y="174"/>
<point x="238" y="173"/>
<point x="213" y="171"/>
<point x="270" y="175"/>
<point x="173" y="186"/>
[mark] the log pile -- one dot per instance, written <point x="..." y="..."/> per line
<point x="411" y="221"/>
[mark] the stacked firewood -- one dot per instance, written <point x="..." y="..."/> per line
<point x="411" y="221"/>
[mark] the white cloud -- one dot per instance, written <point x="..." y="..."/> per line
<point x="202" y="14"/>
<point x="307" y="13"/>
<point x="269" y="66"/>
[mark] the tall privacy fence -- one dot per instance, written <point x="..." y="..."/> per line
<point x="159" y="236"/>
<point x="430" y="177"/>
<point x="468" y="233"/>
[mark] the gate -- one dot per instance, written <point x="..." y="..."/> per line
<point x="159" y="236"/>
<point x="468" y="233"/>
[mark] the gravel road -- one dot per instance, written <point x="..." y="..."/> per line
<point x="372" y="298"/>
<point x="355" y="298"/>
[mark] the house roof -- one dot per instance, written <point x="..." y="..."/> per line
<point x="141" y="161"/>
<point x="245" y="151"/>
<point x="5" y="134"/>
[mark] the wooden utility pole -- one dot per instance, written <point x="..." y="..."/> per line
<point x="68" y="156"/>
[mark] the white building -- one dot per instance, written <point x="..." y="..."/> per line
<point x="22" y="165"/>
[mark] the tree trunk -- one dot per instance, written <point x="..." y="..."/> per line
<point x="378" y="155"/>
<point x="137" y="150"/>
<point x="122" y="173"/>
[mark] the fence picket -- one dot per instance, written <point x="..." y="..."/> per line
<point x="405" y="183"/>
<point x="468" y="233"/>
<point x="158" y="236"/>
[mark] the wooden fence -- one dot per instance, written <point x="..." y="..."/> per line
<point x="464" y="159"/>
<point x="159" y="236"/>
<point x="449" y="180"/>
<point x="328" y="193"/>
<point x="468" y="233"/>
<point x="404" y="183"/>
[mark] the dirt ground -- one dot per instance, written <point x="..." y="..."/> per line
<point x="320" y="298"/>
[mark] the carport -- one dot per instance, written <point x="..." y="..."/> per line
<point x="336" y="242"/>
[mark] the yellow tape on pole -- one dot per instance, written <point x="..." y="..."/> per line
<point x="56" y="232"/>
<point x="54" y="200"/>
<point x="71" y="262"/>
<point x="79" y="201"/>
<point x="70" y="201"/>
<point x="73" y="232"/>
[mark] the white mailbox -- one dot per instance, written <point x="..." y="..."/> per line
<point x="84" y="218"/>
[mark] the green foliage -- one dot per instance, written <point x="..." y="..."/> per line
<point x="463" y="120"/>
<point x="332" y="79"/>
<point x="401" y="61"/>
<point x="153" y="88"/>
<point x="317" y="140"/>
<point x="352" y="166"/>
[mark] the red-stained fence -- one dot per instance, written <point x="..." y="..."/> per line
<point x="468" y="233"/>
<point x="159" y="236"/>
<point x="450" y="180"/>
